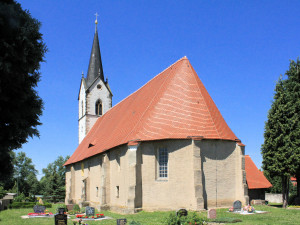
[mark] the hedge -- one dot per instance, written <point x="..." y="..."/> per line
<point x="18" y="205"/>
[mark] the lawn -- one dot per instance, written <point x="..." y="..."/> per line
<point x="275" y="215"/>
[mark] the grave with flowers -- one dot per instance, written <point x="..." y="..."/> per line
<point x="40" y="211"/>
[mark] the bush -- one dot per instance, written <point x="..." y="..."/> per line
<point x="61" y="206"/>
<point x="18" y="205"/>
<point x="76" y="208"/>
<point x="82" y="210"/>
<point x="20" y="198"/>
<point x="191" y="218"/>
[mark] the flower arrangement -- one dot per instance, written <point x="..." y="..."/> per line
<point x="93" y="217"/>
<point x="231" y="209"/>
<point x="249" y="209"/>
<point x="47" y="213"/>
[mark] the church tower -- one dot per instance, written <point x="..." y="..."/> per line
<point x="95" y="96"/>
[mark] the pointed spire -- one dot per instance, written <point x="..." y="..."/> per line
<point x="95" y="66"/>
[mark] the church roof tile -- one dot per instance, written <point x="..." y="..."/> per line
<point x="255" y="178"/>
<point x="173" y="105"/>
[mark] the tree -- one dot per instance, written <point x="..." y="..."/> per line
<point x="53" y="182"/>
<point x="25" y="174"/>
<point x="280" y="150"/>
<point x="21" y="51"/>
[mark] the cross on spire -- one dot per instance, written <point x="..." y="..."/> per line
<point x="96" y="21"/>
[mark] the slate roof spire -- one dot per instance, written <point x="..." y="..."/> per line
<point x="95" y="69"/>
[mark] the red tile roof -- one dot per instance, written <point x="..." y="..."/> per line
<point x="173" y="105"/>
<point x="255" y="178"/>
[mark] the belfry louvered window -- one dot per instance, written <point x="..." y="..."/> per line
<point x="162" y="162"/>
<point x="98" y="108"/>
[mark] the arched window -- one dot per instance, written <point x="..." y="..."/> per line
<point x="98" y="108"/>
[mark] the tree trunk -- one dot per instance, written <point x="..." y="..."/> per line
<point x="285" y="191"/>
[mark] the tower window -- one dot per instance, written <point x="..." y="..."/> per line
<point x="98" y="106"/>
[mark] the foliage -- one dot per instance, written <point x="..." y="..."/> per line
<point x="2" y="192"/>
<point x="76" y="208"/>
<point x="22" y="50"/>
<point x="53" y="182"/>
<point x="82" y="210"/>
<point x="25" y="174"/>
<point x="20" y="198"/>
<point x="18" y="205"/>
<point x="281" y="147"/>
<point x="61" y="206"/>
<point x="191" y="218"/>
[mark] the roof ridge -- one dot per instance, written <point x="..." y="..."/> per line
<point x="211" y="117"/>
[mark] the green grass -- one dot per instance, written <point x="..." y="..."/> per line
<point x="274" y="216"/>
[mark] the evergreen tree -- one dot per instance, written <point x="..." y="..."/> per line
<point x="53" y="182"/>
<point x="21" y="51"/>
<point x="25" y="174"/>
<point x="280" y="150"/>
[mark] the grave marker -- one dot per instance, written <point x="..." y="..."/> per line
<point x="211" y="214"/>
<point x="181" y="212"/>
<point x="39" y="208"/>
<point x="89" y="211"/>
<point x="237" y="206"/>
<point x="61" y="210"/>
<point x="61" y="219"/>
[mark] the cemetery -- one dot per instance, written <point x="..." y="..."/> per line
<point x="60" y="214"/>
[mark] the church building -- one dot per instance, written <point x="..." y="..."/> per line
<point x="164" y="147"/>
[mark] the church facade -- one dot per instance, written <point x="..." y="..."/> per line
<point x="164" y="147"/>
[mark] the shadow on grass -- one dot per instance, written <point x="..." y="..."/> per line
<point x="275" y="205"/>
<point x="226" y="220"/>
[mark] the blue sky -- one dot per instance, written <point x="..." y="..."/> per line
<point x="238" y="49"/>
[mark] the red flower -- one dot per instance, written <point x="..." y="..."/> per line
<point x="86" y="217"/>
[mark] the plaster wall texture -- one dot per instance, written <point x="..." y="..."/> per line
<point x="201" y="174"/>
<point x="175" y="191"/>
<point x="222" y="174"/>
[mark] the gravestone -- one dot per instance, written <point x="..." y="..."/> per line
<point x="237" y="206"/>
<point x="61" y="219"/>
<point x="61" y="210"/>
<point x="70" y="207"/>
<point x="211" y="214"/>
<point x="39" y="208"/>
<point x="89" y="211"/>
<point x="181" y="212"/>
<point x="121" y="221"/>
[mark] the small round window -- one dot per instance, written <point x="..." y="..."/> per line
<point x="99" y="86"/>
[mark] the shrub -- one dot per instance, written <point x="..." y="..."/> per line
<point x="18" y="205"/>
<point x="61" y="206"/>
<point x="76" y="208"/>
<point x="191" y="218"/>
<point x="20" y="198"/>
<point x="82" y="210"/>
